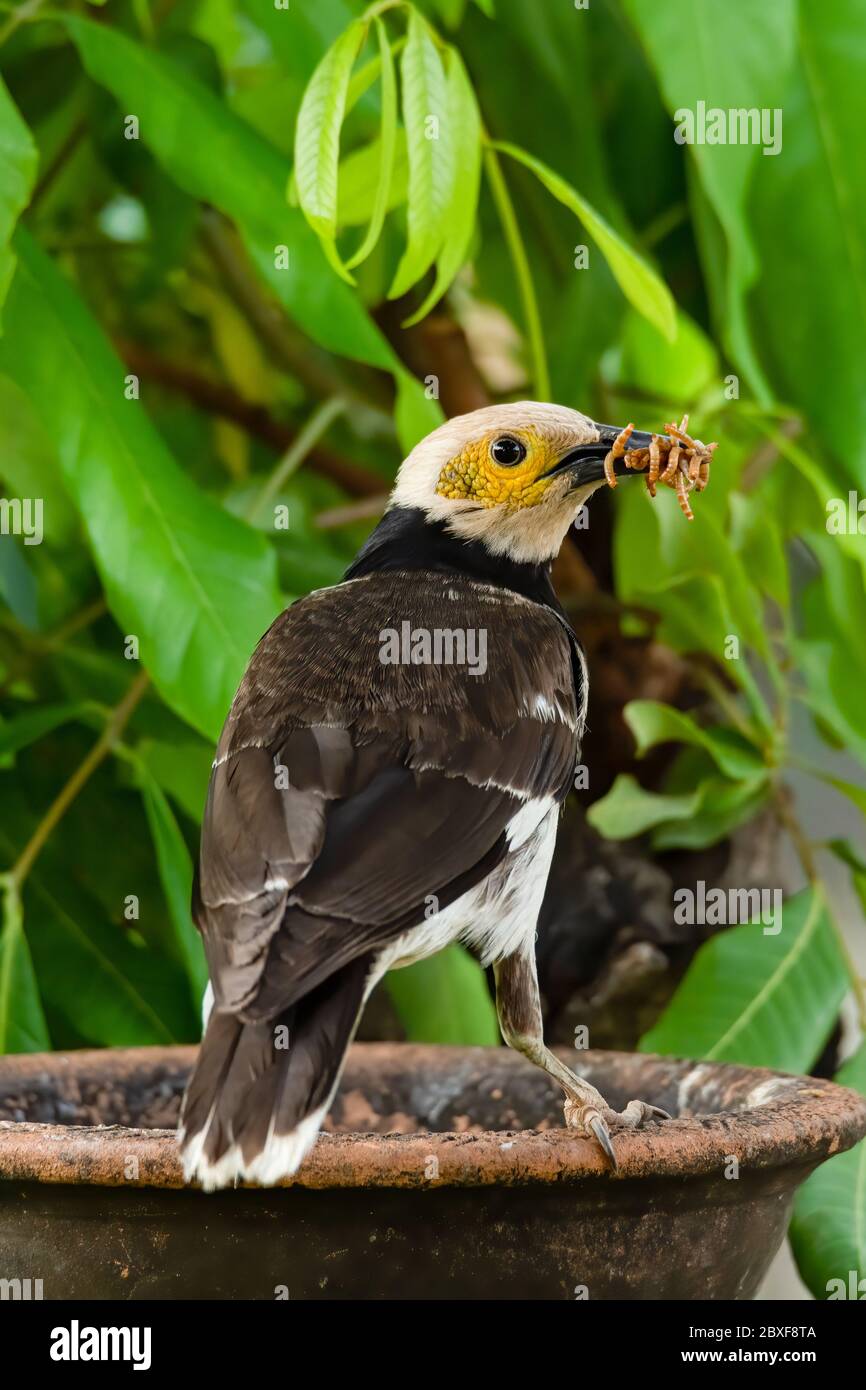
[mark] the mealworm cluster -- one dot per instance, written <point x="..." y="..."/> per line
<point x="673" y="458"/>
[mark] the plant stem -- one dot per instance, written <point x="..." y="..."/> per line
<point x="319" y="422"/>
<point x="11" y="935"/>
<point x="799" y="840"/>
<point x="77" y="623"/>
<point x="664" y="224"/>
<point x="60" y="160"/>
<point x="520" y="261"/>
<point x="717" y="691"/>
<point x="353" y="511"/>
<point x="38" y="646"/>
<point x="20" y="15"/>
<point x="115" y="725"/>
<point x="144" y="19"/>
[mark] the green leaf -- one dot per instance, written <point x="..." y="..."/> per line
<point x="684" y="815"/>
<point x="722" y="807"/>
<point x="22" y="1022"/>
<point x="464" y="120"/>
<point x="415" y="413"/>
<point x="28" y="463"/>
<point x="196" y="586"/>
<point x="450" y="12"/>
<point x="245" y="178"/>
<point x="24" y="729"/>
<point x="115" y="993"/>
<point x="359" y="181"/>
<point x="430" y="145"/>
<point x="638" y="281"/>
<point x="832" y="695"/>
<point x="758" y="539"/>
<point x="823" y="120"/>
<point x="697" y="581"/>
<point x="853" y="792"/>
<point x="652" y="723"/>
<point x="182" y="768"/>
<point x="445" y="999"/>
<point x="18" y="160"/>
<point x="844" y="850"/>
<point x="758" y="999"/>
<point x="727" y="56"/>
<point x="829" y="652"/>
<point x="843" y="590"/>
<point x="363" y="79"/>
<point x="18" y="583"/>
<point x="299" y="35"/>
<point x="849" y="855"/>
<point x="826" y="493"/>
<point x="828" y="1229"/>
<point x="387" y="150"/>
<point x="95" y="973"/>
<point x="317" y="138"/>
<point x="627" y="810"/>
<point x="702" y="547"/>
<point x="678" y="370"/>
<point x="175" y="872"/>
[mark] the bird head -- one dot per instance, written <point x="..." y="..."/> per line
<point x="513" y="477"/>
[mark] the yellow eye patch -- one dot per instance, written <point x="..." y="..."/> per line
<point x="474" y="475"/>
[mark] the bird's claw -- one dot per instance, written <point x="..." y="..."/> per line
<point x="602" y="1134"/>
<point x="587" y="1117"/>
<point x="639" y="1110"/>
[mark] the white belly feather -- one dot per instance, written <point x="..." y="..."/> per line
<point x="497" y="915"/>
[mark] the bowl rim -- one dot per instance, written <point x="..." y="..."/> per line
<point x="785" y="1121"/>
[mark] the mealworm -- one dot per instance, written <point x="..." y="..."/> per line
<point x="616" y="451"/>
<point x="674" y="458"/>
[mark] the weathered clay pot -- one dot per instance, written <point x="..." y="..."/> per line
<point x="432" y="1184"/>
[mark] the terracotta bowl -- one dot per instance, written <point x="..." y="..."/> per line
<point x="446" y="1174"/>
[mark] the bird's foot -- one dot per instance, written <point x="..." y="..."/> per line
<point x="591" y="1116"/>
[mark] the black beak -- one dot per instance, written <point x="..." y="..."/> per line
<point x="585" y="464"/>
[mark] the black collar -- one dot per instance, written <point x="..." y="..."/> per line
<point x="406" y="540"/>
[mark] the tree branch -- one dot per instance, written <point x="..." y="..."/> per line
<point x="219" y="399"/>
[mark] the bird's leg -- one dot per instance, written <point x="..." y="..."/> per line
<point x="519" y="1008"/>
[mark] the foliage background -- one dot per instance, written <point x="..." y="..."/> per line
<point x="182" y="354"/>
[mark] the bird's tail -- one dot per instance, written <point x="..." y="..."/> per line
<point x="260" y="1090"/>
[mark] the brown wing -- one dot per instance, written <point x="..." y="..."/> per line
<point x="346" y="791"/>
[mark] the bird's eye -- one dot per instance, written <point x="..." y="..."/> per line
<point x="507" y="450"/>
